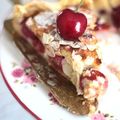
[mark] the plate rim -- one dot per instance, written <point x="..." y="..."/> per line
<point x="16" y="97"/>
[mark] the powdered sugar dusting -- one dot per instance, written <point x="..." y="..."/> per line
<point x="45" y="18"/>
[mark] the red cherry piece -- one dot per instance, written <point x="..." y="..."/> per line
<point x="93" y="76"/>
<point x="57" y="61"/>
<point x="71" y="25"/>
<point x="29" y="34"/>
<point x="116" y="17"/>
<point x="38" y="45"/>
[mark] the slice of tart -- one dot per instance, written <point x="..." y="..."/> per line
<point x="65" y="38"/>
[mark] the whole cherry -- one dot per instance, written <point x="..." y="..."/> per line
<point x="71" y="25"/>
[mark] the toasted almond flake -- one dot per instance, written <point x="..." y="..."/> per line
<point x="73" y="44"/>
<point x="55" y="45"/>
<point x="47" y="38"/>
<point x="50" y="51"/>
<point x="91" y="47"/>
<point x="67" y="69"/>
<point x="77" y="63"/>
<point x="89" y="61"/>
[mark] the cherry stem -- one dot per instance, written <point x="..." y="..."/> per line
<point x="110" y="4"/>
<point x="80" y="4"/>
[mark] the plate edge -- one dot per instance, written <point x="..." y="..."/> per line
<point x="16" y="97"/>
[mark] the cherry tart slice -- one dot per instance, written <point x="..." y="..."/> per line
<point x="65" y="38"/>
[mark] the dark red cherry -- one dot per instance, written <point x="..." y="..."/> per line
<point x="34" y="39"/>
<point x="71" y="25"/>
<point x="57" y="61"/>
<point x="93" y="76"/>
<point x="116" y="17"/>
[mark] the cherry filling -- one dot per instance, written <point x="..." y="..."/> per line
<point x="101" y="26"/>
<point x="36" y="43"/>
<point x="57" y="62"/>
<point x="93" y="75"/>
<point x="115" y="16"/>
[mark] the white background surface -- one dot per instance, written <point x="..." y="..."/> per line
<point x="10" y="109"/>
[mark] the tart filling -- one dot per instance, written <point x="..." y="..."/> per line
<point x="78" y="60"/>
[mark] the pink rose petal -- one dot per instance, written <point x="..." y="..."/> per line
<point x="18" y="72"/>
<point x="31" y="78"/>
<point x="98" y="116"/>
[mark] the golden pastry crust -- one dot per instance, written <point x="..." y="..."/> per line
<point x="22" y="11"/>
<point x="106" y="4"/>
<point x="115" y="3"/>
<point x="37" y="5"/>
<point x="85" y="3"/>
<point x="29" y="9"/>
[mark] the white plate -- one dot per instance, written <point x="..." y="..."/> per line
<point x="33" y="96"/>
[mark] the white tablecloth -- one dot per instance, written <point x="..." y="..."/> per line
<point x="10" y="109"/>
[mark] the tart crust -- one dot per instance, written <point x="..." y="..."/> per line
<point x="32" y="8"/>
